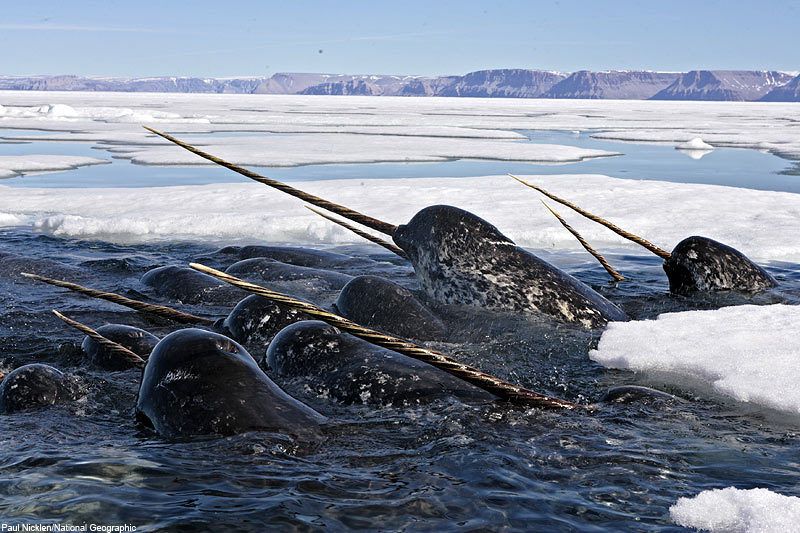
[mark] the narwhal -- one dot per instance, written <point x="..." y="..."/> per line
<point x="696" y="264"/>
<point x="459" y="258"/>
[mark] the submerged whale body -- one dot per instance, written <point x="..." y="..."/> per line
<point x="190" y="286"/>
<point x="35" y="385"/>
<point x="256" y="320"/>
<point x="197" y="382"/>
<point x="294" y="255"/>
<point x="459" y="258"/>
<point x="700" y="264"/>
<point x="137" y="340"/>
<point x="383" y="305"/>
<point x="351" y="370"/>
<point x="263" y="269"/>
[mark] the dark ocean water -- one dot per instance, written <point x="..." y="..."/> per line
<point x="445" y="466"/>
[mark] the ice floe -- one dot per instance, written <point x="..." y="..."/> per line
<point x="662" y="212"/>
<point x="732" y="510"/>
<point x="107" y="115"/>
<point x="13" y="165"/>
<point x="695" y="144"/>
<point x="747" y="352"/>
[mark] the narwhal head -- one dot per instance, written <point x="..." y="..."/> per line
<point x="443" y="231"/>
<point x="699" y="264"/>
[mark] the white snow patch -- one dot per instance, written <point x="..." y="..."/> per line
<point x="695" y="144"/>
<point x="255" y="213"/>
<point x="746" y="352"/>
<point x="732" y="510"/>
<point x="11" y="165"/>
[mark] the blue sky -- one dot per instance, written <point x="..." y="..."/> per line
<point x="233" y="38"/>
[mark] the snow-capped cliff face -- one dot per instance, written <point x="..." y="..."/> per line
<point x="789" y="92"/>
<point x="735" y="85"/>
<point x="625" y="85"/>
<point x="503" y="83"/>
<point x="159" y="84"/>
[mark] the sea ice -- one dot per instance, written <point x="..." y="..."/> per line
<point x="13" y="165"/>
<point x="746" y="352"/>
<point x="695" y="144"/>
<point x="732" y="510"/>
<point x="252" y="212"/>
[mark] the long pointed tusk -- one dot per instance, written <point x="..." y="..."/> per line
<point x="160" y="310"/>
<point x="113" y="347"/>
<point x="502" y="389"/>
<point x="588" y="247"/>
<point x="377" y="240"/>
<point x="346" y="212"/>
<point x="616" y="229"/>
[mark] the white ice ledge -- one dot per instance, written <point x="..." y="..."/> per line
<point x="733" y="510"/>
<point x="13" y="165"/>
<point x="747" y="352"/>
<point x="762" y="224"/>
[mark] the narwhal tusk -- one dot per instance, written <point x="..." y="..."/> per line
<point x="500" y="388"/>
<point x="113" y="347"/>
<point x="160" y="310"/>
<point x="377" y="240"/>
<point x="588" y="247"/>
<point x="616" y="229"/>
<point x="346" y="212"/>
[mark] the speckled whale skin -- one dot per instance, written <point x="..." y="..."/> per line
<point x="460" y="258"/>
<point x="700" y="264"/>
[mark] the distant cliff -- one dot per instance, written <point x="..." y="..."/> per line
<point x="737" y="85"/>
<point x="622" y="85"/>
<point x="731" y="85"/>
<point x="785" y="93"/>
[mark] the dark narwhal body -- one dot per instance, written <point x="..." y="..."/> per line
<point x="700" y="264"/>
<point x="190" y="286"/>
<point x="381" y="304"/>
<point x="197" y="382"/>
<point x="263" y="269"/>
<point x="351" y="370"/>
<point x="136" y="340"/>
<point x="255" y="321"/>
<point x="460" y="258"/>
<point x="35" y="385"/>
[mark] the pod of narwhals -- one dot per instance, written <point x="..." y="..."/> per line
<point x="203" y="379"/>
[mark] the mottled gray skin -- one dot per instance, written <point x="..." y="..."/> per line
<point x="637" y="394"/>
<point x="191" y="287"/>
<point x="460" y="258"/>
<point x="700" y="264"/>
<point x="256" y="320"/>
<point x="259" y="269"/>
<point x="197" y="382"/>
<point x="381" y="304"/>
<point x="350" y="370"/>
<point x="35" y="385"/>
<point x="136" y="340"/>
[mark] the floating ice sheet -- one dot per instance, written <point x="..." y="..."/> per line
<point x="768" y="126"/>
<point x="733" y="510"/>
<point x="762" y="224"/>
<point x="747" y="352"/>
<point x="12" y="165"/>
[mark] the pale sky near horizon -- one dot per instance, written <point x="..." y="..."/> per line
<point x="238" y="38"/>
